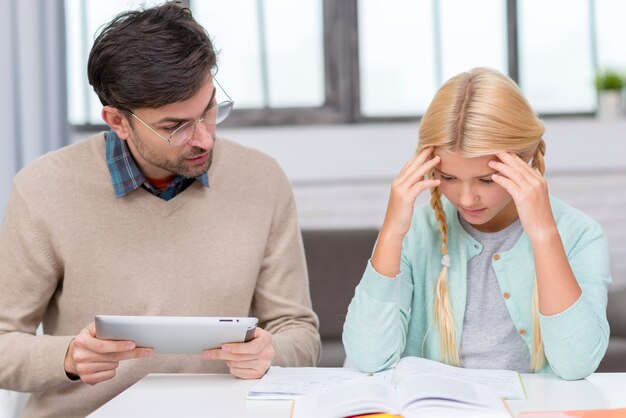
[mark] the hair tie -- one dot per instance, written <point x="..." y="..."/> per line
<point x="445" y="260"/>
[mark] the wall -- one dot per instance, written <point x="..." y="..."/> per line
<point x="341" y="174"/>
<point x="32" y="111"/>
<point x="374" y="151"/>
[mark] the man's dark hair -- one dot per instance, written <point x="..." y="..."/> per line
<point x="150" y="58"/>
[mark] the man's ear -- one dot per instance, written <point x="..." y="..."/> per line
<point x="116" y="119"/>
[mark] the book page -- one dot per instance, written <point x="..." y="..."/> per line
<point x="292" y="382"/>
<point x="506" y="384"/>
<point x="359" y="396"/>
<point x="436" y="411"/>
<point x="423" y="390"/>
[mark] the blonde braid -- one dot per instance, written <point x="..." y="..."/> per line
<point x="538" y="162"/>
<point x="537" y="355"/>
<point x="443" y="309"/>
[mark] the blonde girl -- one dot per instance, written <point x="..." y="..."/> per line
<point x="494" y="273"/>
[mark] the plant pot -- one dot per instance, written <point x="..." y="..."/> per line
<point x="609" y="105"/>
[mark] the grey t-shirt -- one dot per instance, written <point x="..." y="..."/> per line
<point x="489" y="339"/>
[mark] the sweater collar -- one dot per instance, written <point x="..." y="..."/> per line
<point x="125" y="173"/>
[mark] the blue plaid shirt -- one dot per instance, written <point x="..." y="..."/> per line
<point x="126" y="176"/>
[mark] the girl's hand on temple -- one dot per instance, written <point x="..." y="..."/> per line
<point x="529" y="191"/>
<point x="405" y="189"/>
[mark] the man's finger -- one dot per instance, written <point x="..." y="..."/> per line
<point x="127" y="355"/>
<point x="98" y="377"/>
<point x="247" y="364"/>
<point x="85" y="369"/>
<point x="261" y="339"/>
<point x="219" y="354"/>
<point x="91" y="343"/>
<point x="247" y="373"/>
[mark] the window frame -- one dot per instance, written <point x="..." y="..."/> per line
<point x="341" y="75"/>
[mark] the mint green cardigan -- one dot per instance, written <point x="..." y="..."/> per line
<point x="389" y="319"/>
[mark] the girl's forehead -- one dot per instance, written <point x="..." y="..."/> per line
<point x="455" y="163"/>
<point x="456" y="156"/>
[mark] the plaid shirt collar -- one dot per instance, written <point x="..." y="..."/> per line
<point x="126" y="176"/>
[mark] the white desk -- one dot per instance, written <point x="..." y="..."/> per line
<point x="549" y="393"/>
<point x="223" y="396"/>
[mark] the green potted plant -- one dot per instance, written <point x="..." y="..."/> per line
<point x="609" y="84"/>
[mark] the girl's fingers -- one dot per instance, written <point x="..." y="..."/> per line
<point x="515" y="161"/>
<point x="417" y="161"/>
<point x="419" y="172"/>
<point x="406" y="166"/>
<point x="508" y="184"/>
<point x="511" y="173"/>
<point x="419" y="187"/>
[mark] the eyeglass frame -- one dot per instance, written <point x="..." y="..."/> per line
<point x="195" y="122"/>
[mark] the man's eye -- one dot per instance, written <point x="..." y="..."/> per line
<point x="172" y="128"/>
<point x="212" y="108"/>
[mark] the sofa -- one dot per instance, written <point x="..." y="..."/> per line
<point x="615" y="358"/>
<point x="336" y="259"/>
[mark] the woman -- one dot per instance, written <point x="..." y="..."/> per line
<point x="496" y="275"/>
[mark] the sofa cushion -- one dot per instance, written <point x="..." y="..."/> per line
<point x="336" y="260"/>
<point x="616" y="312"/>
<point x="615" y="358"/>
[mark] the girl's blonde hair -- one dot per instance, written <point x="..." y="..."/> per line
<point x="478" y="113"/>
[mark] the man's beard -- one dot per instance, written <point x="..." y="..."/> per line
<point x="179" y="166"/>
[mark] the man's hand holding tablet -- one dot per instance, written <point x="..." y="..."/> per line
<point x="94" y="354"/>
<point x="249" y="360"/>
<point x="93" y="360"/>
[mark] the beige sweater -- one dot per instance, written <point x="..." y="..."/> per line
<point x="70" y="250"/>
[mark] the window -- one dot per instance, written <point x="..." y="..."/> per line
<point x="407" y="48"/>
<point x="82" y="20"/>
<point x="556" y="66"/>
<point x="610" y="33"/>
<point x="271" y="55"/>
<point x="271" y="52"/>
<point x="396" y="57"/>
<point x="338" y="61"/>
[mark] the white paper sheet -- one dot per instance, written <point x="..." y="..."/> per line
<point x="293" y="382"/>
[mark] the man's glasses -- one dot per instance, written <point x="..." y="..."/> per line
<point x="179" y="135"/>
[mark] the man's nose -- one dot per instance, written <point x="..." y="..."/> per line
<point x="203" y="137"/>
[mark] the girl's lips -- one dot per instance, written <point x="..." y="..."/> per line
<point x="473" y="212"/>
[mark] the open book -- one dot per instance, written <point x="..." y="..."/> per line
<point x="409" y="393"/>
<point x="505" y="384"/>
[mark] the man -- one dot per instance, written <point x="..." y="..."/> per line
<point x="155" y="217"/>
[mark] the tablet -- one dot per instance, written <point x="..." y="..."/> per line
<point x="176" y="334"/>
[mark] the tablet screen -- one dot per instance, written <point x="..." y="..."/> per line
<point x="176" y="334"/>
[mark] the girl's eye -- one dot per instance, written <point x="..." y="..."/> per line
<point x="486" y="181"/>
<point x="446" y="178"/>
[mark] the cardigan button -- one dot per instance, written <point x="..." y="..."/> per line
<point x="506" y="295"/>
<point x="522" y="331"/>
<point x="496" y="256"/>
